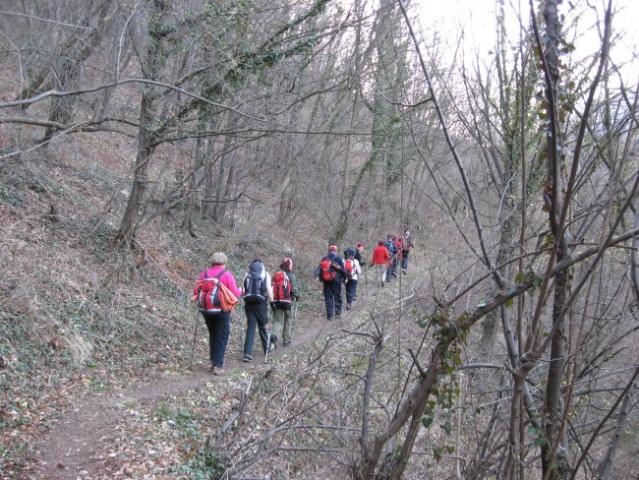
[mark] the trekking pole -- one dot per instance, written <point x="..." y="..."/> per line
<point x="268" y="335"/>
<point x="197" y="315"/>
<point x="366" y="275"/>
<point x="294" y="321"/>
<point x="241" y="309"/>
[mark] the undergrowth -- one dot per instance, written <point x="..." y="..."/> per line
<point x="78" y="315"/>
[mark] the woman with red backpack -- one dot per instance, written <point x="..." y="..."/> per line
<point x="217" y="320"/>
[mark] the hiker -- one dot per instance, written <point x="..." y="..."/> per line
<point x="331" y="273"/>
<point x="353" y="271"/>
<point x="380" y="260"/>
<point x="406" y="245"/>
<point x="218" y="322"/>
<point x="285" y="292"/>
<point x="398" y="254"/>
<point x="257" y="295"/>
<point x="391" y="246"/>
<point x="359" y="254"/>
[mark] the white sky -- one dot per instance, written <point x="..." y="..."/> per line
<point x="476" y="19"/>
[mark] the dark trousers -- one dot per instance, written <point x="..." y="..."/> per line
<point x="219" y="325"/>
<point x="256" y="316"/>
<point x="351" y="291"/>
<point x="391" y="272"/>
<point x="405" y="260"/>
<point x="333" y="297"/>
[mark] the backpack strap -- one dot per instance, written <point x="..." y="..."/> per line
<point x="219" y="275"/>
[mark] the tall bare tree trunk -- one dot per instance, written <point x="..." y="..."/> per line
<point x="148" y="133"/>
<point x="554" y="461"/>
<point x="145" y="150"/>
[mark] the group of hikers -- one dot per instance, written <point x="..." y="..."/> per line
<point x="280" y="291"/>
<point x="259" y="291"/>
<point x="334" y="270"/>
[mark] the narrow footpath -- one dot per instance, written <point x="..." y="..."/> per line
<point x="74" y="447"/>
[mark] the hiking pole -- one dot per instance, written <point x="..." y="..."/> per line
<point x="197" y="315"/>
<point x="297" y="304"/>
<point x="241" y="309"/>
<point x="366" y="275"/>
<point x="268" y="335"/>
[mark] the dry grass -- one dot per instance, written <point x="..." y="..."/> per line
<point x="79" y="317"/>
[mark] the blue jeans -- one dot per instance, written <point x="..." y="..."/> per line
<point x="333" y="297"/>
<point x="256" y="316"/>
<point x="219" y="325"/>
<point x="351" y="291"/>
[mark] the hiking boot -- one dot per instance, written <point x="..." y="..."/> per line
<point x="349" y="306"/>
<point x="329" y="318"/>
<point x="272" y="347"/>
<point x="287" y="344"/>
<point x="218" y="371"/>
<point x="247" y="358"/>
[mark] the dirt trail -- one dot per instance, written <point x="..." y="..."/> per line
<point x="74" y="447"/>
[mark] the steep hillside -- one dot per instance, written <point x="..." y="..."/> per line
<point x="97" y="343"/>
<point x="78" y="315"/>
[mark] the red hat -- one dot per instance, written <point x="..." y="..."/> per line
<point x="332" y="248"/>
<point x="360" y="244"/>
<point x="287" y="262"/>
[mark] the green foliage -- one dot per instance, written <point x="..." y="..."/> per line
<point x="205" y="463"/>
<point x="202" y="461"/>
<point x="439" y="452"/>
<point x="428" y="418"/>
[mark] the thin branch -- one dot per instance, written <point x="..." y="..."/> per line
<point x="57" y="93"/>
<point x="45" y="20"/>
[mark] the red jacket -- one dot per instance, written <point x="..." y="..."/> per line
<point x="380" y="255"/>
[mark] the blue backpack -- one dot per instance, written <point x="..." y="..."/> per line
<point x="391" y="247"/>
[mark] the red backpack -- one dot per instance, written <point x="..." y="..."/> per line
<point x="213" y="296"/>
<point x="281" y="287"/>
<point x="349" y="266"/>
<point x="327" y="272"/>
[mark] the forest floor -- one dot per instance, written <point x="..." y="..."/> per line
<point x="81" y="444"/>
<point x="96" y="378"/>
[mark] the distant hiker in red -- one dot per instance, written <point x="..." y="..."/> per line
<point x="218" y="322"/>
<point x="380" y="260"/>
<point x="285" y="292"/>
<point x="331" y="273"/>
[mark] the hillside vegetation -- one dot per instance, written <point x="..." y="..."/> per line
<point x="138" y="137"/>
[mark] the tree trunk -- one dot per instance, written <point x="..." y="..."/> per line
<point x="146" y="137"/>
<point x="148" y="132"/>
<point x="553" y="448"/>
